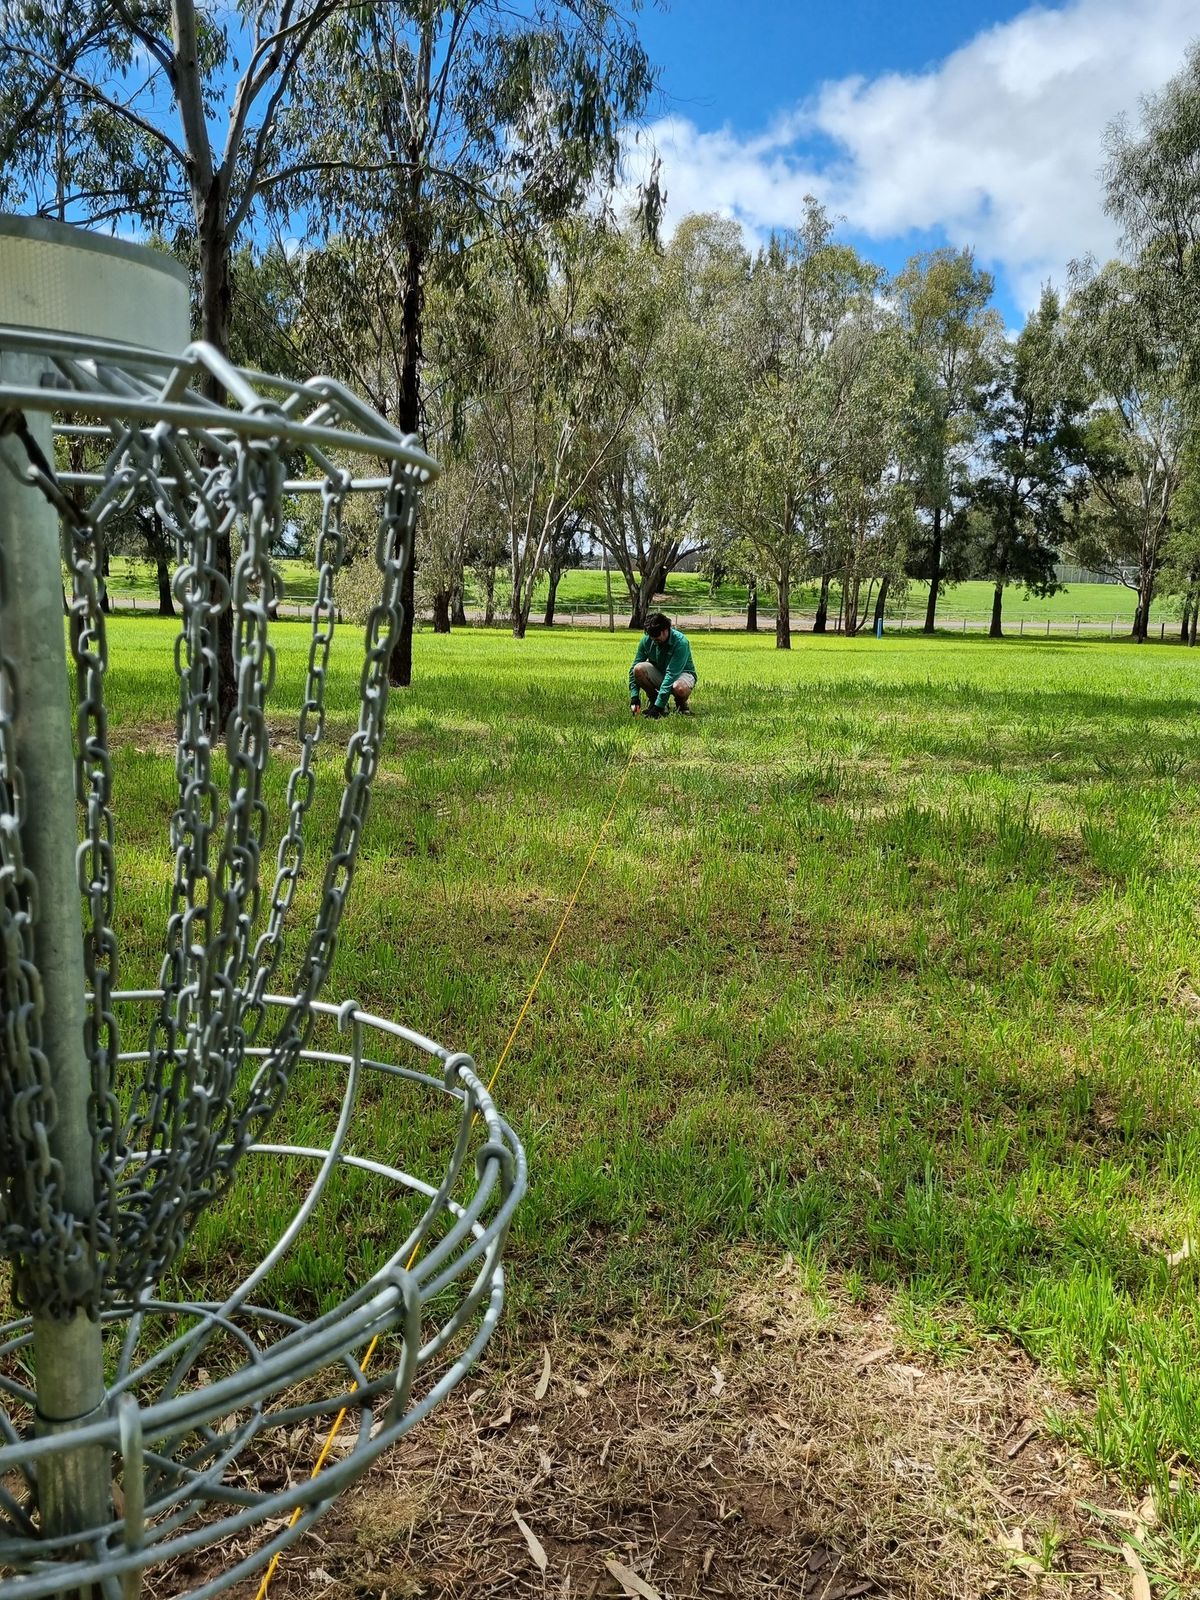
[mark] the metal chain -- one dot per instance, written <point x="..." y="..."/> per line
<point x="96" y="867"/>
<point x="197" y="1044"/>
<point x="393" y="551"/>
<point x="302" y="785"/>
<point x="236" y="1129"/>
<point x="188" y="1123"/>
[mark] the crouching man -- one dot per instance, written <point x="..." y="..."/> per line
<point x="663" y="667"/>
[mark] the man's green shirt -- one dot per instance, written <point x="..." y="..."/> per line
<point x="672" y="657"/>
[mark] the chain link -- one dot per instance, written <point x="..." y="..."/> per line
<point x="194" y="1111"/>
<point x="302" y="785"/>
<point x="96" y="870"/>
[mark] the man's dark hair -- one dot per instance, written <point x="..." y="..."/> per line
<point x="656" y="622"/>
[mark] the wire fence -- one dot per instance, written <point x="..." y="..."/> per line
<point x="717" y="620"/>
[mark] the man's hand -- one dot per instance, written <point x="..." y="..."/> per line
<point x="636" y="707"/>
<point x="655" y="711"/>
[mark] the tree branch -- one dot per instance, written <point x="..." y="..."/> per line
<point x="152" y="42"/>
<point x="115" y="106"/>
<point x="189" y="97"/>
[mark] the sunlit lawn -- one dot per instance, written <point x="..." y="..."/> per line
<point x="890" y="958"/>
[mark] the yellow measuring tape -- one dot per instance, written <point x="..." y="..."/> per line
<point x="508" y="1044"/>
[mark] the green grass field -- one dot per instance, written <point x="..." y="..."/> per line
<point x="889" y="960"/>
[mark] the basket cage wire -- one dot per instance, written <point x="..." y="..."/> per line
<point x="182" y="1091"/>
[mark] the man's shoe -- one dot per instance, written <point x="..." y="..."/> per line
<point x="684" y="709"/>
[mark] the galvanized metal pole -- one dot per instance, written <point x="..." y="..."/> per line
<point x="73" y="1487"/>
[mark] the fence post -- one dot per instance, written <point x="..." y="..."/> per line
<point x="1162" y="632"/>
<point x="1021" y="630"/>
<point x="1077" y="627"/>
<point x="964" y="626"/>
<point x="1112" y="624"/>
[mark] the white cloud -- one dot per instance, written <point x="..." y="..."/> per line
<point x="998" y="146"/>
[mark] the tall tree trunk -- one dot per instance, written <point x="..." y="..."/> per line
<point x="1142" y="619"/>
<point x="821" y="620"/>
<point x="216" y="283"/>
<point x="752" y="607"/>
<point x="408" y="409"/>
<point x="783" y="614"/>
<point x="163" y="574"/>
<point x="850" y="587"/>
<point x="1183" y="626"/>
<point x="105" y="564"/>
<point x="458" y="610"/>
<point x="643" y="594"/>
<point x="1195" y="614"/>
<point x="996" y="631"/>
<point x="881" y="602"/>
<point x="412" y="309"/>
<point x="441" y="611"/>
<point x="861" y="622"/>
<point x="935" y="570"/>
<point x="522" y="600"/>
<point x="489" y="595"/>
<point x="1138" y="632"/>
<point x="551" y="597"/>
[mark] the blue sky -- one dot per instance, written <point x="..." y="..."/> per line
<point x="919" y="122"/>
<point x="729" y="62"/>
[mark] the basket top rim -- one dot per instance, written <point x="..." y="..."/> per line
<point x="47" y="231"/>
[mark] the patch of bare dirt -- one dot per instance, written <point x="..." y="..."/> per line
<point x="789" y="1448"/>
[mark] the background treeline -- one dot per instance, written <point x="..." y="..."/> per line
<point x="426" y="201"/>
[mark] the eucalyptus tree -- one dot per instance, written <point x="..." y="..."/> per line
<point x="1180" y="573"/>
<point x="66" y="136"/>
<point x="1134" y="435"/>
<point x="942" y="299"/>
<point x="540" y="363"/>
<point x="869" y="505"/>
<point x="1029" y="476"/>
<point x="456" y="506"/>
<point x="1153" y="192"/>
<point x="794" y="403"/>
<point x="175" y="118"/>
<point x="424" y="125"/>
<point x="564" y="550"/>
<point x="651" y="501"/>
<point x="439" y="126"/>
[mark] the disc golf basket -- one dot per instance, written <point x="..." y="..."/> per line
<point x="143" y="1422"/>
